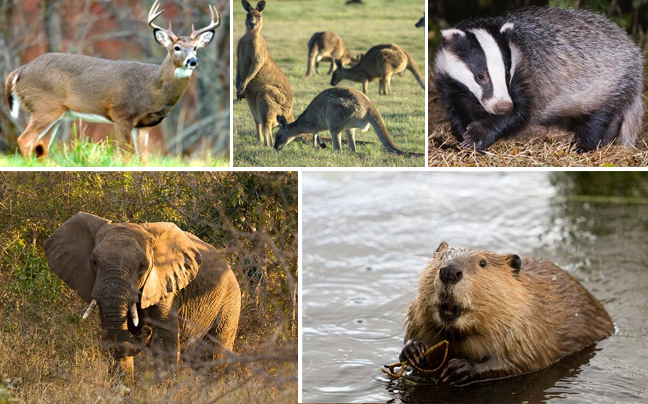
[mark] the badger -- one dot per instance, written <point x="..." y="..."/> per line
<point x="546" y="66"/>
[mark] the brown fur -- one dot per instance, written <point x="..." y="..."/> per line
<point x="514" y="316"/>
<point x="380" y="62"/>
<point x="327" y="47"/>
<point x="259" y="79"/>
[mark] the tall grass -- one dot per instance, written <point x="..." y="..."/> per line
<point x="287" y="27"/>
<point x="85" y="153"/>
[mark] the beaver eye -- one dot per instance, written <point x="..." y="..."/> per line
<point x="482" y="263"/>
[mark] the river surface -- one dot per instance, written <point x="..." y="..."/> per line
<point x="366" y="237"/>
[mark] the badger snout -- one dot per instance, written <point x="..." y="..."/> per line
<point x="503" y="107"/>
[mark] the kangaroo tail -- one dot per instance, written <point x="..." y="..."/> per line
<point x="381" y="131"/>
<point x="10" y="93"/>
<point x="632" y="121"/>
<point x="312" y="53"/>
<point x="414" y="68"/>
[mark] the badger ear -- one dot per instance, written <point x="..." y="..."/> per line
<point x="452" y="33"/>
<point x="507" y="27"/>
<point x="515" y="262"/>
<point x="441" y="248"/>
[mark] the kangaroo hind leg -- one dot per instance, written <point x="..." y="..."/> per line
<point x="350" y="134"/>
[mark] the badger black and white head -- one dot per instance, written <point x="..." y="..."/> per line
<point x="547" y="66"/>
<point x="481" y="60"/>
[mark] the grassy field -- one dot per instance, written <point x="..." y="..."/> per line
<point x="287" y="27"/>
<point x="84" y="153"/>
<point x="540" y="147"/>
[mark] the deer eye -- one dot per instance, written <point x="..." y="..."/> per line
<point x="176" y="48"/>
<point x="482" y="263"/>
<point x="195" y="48"/>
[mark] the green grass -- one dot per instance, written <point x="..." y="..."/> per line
<point x="287" y="27"/>
<point x="85" y="153"/>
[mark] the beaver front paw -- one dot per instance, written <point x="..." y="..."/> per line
<point x="459" y="371"/>
<point x="413" y="352"/>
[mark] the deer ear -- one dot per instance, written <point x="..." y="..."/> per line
<point x="246" y="5"/>
<point x="161" y="37"/>
<point x="260" y="6"/>
<point x="204" y="39"/>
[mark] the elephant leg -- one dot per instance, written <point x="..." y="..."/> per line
<point x="164" y="342"/>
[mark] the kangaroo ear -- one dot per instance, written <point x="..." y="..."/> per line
<point x="261" y="6"/>
<point x="68" y="252"/>
<point x="338" y="63"/>
<point x="515" y="262"/>
<point x="281" y="120"/>
<point x="176" y="261"/>
<point x="246" y="5"/>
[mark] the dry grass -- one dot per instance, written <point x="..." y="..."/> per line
<point x="47" y="355"/>
<point x="538" y="147"/>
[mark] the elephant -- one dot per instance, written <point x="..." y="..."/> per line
<point x="154" y="284"/>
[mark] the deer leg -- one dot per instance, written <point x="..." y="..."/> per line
<point x="350" y="134"/>
<point x="39" y="134"/>
<point x="121" y="132"/>
<point x="140" y="138"/>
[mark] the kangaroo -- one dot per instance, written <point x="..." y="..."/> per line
<point x="337" y="109"/>
<point x="421" y="22"/>
<point x="326" y="46"/>
<point x="259" y="79"/>
<point x="380" y="62"/>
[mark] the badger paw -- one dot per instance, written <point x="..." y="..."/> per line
<point x="459" y="371"/>
<point x="478" y="136"/>
<point x="413" y="352"/>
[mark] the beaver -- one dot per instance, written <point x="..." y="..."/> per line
<point x="502" y="315"/>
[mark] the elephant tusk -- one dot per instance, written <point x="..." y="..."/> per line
<point x="134" y="314"/>
<point x="93" y="304"/>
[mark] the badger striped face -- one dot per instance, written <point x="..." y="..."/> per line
<point x="482" y="63"/>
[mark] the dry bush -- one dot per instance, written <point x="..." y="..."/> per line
<point x="47" y="354"/>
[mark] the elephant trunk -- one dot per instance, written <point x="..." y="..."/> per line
<point x="116" y="339"/>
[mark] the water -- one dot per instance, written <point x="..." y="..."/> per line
<point x="368" y="235"/>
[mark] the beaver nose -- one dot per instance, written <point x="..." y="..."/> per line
<point x="451" y="274"/>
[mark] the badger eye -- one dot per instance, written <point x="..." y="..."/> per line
<point x="176" y="48"/>
<point x="482" y="263"/>
<point x="481" y="77"/>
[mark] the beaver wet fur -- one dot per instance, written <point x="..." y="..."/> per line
<point x="502" y="315"/>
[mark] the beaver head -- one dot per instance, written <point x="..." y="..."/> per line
<point x="466" y="289"/>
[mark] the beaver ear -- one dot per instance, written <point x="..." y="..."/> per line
<point x="515" y="262"/>
<point x="442" y="247"/>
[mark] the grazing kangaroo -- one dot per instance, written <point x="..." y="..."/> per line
<point x="326" y="47"/>
<point x="259" y="79"/>
<point x="132" y="96"/>
<point x="337" y="109"/>
<point x="380" y="62"/>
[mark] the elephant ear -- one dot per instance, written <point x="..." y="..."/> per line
<point x="68" y="252"/>
<point x="176" y="261"/>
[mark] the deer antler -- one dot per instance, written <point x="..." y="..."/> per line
<point x="153" y="14"/>
<point x="215" y="22"/>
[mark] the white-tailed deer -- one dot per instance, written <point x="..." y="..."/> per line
<point x="326" y="47"/>
<point x="259" y="79"/>
<point x="336" y="110"/>
<point x="421" y="22"/>
<point x="132" y="96"/>
<point x="380" y="62"/>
